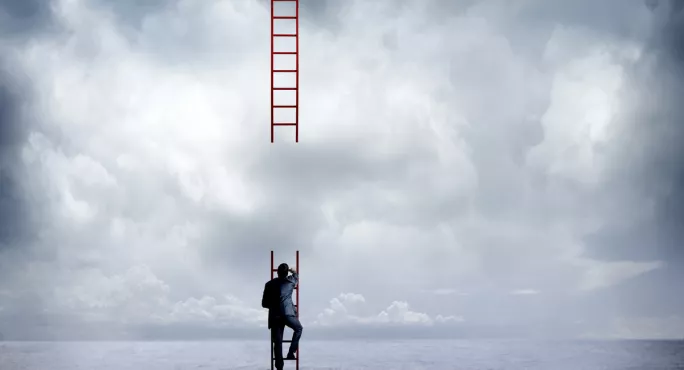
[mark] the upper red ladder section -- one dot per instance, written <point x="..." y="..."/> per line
<point x="282" y="64"/>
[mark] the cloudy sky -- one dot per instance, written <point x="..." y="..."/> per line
<point x="465" y="168"/>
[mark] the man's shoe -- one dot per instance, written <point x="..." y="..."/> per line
<point x="290" y="356"/>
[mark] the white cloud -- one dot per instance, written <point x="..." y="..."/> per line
<point x="349" y="308"/>
<point x="446" y="292"/>
<point x="399" y="313"/>
<point x="138" y="296"/>
<point x="226" y="311"/>
<point x="524" y="292"/>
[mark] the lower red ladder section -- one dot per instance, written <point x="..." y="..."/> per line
<point x="273" y="271"/>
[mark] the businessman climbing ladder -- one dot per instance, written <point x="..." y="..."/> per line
<point x="283" y="312"/>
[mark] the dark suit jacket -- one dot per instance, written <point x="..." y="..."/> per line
<point x="278" y="297"/>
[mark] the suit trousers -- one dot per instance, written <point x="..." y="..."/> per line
<point x="277" y="329"/>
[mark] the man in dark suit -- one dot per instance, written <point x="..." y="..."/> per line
<point x="282" y="312"/>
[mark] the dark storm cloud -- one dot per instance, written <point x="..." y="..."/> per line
<point x="20" y="21"/>
<point x="323" y="13"/>
<point x="21" y="18"/>
<point x="669" y="160"/>
<point x="10" y="129"/>
<point x="656" y="134"/>
<point x="13" y="132"/>
<point x="331" y="15"/>
<point x="613" y="16"/>
<point x="655" y="155"/>
<point x="666" y="165"/>
<point x="10" y="204"/>
<point x="321" y="9"/>
<point x="133" y="12"/>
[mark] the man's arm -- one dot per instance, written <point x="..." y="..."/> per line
<point x="265" y="298"/>
<point x="294" y="277"/>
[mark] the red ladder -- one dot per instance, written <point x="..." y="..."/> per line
<point x="291" y="105"/>
<point x="273" y="271"/>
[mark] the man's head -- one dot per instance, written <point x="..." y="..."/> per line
<point x="283" y="269"/>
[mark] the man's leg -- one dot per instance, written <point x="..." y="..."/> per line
<point x="293" y="322"/>
<point x="277" y="339"/>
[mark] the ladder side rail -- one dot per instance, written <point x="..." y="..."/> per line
<point x="270" y="335"/>
<point x="272" y="101"/>
<point x="297" y="264"/>
<point x="297" y="109"/>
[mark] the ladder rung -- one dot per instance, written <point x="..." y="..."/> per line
<point x="284" y="52"/>
<point x="284" y="35"/>
<point x="284" y="17"/>
<point x="284" y="88"/>
<point x="285" y="0"/>
<point x="284" y="106"/>
<point x="286" y="359"/>
<point x="284" y="124"/>
<point x="285" y="70"/>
